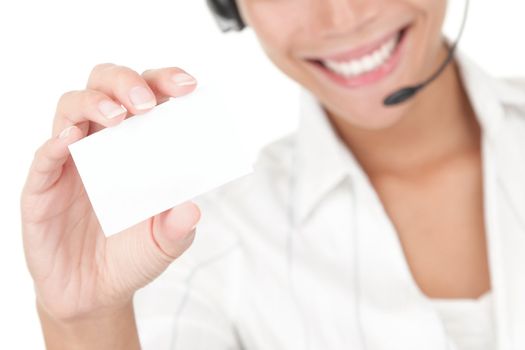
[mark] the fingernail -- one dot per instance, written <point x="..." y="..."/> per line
<point x="65" y="133"/>
<point x="110" y="109"/>
<point x="141" y="98"/>
<point x="183" y="79"/>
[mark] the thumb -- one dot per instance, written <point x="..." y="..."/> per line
<point x="138" y="255"/>
<point x="173" y="230"/>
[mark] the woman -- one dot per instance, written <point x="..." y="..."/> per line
<point x="370" y="227"/>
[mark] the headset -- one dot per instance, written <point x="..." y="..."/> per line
<point x="228" y="18"/>
<point x="226" y="14"/>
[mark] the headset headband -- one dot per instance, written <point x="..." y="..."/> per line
<point x="226" y="14"/>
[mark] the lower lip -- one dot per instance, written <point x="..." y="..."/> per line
<point x="371" y="77"/>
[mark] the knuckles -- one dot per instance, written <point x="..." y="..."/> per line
<point x="65" y="97"/>
<point x="99" y="68"/>
<point x="83" y="99"/>
<point x="110" y="76"/>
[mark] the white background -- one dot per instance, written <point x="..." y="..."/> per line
<point x="49" y="47"/>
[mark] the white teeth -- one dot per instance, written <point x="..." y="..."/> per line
<point x="364" y="64"/>
<point x="368" y="63"/>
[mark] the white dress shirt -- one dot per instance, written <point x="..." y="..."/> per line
<point x="300" y="254"/>
<point x="469" y="322"/>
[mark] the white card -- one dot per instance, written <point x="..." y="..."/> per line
<point x="154" y="161"/>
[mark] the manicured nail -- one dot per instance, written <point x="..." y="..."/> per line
<point x="65" y="133"/>
<point x="141" y="98"/>
<point x="110" y="109"/>
<point x="183" y="79"/>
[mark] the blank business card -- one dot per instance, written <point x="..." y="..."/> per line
<point x="154" y="161"/>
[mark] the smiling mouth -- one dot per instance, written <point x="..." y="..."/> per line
<point x="371" y="63"/>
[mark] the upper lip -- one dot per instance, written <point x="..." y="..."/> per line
<point x="347" y="54"/>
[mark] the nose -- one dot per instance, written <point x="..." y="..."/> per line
<point x="334" y="17"/>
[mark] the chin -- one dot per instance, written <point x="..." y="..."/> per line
<point x="363" y="114"/>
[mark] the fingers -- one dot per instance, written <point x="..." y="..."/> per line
<point x="140" y="92"/>
<point x="138" y="255"/>
<point x="113" y="91"/>
<point x="169" y="82"/>
<point x="49" y="160"/>
<point x="75" y="107"/>
<point x="124" y="85"/>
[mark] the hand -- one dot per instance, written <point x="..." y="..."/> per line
<point x="77" y="271"/>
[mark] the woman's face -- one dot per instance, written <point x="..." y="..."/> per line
<point x="351" y="53"/>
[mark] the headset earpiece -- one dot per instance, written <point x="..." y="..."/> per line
<point x="226" y="14"/>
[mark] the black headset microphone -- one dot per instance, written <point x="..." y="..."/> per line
<point x="229" y="18"/>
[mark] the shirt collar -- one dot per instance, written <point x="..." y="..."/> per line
<point x="323" y="160"/>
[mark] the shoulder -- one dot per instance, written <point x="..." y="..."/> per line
<point x="486" y="90"/>
<point x="511" y="92"/>
<point x="514" y="82"/>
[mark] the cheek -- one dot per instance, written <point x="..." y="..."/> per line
<point x="277" y="25"/>
<point x="433" y="15"/>
<point x="436" y="18"/>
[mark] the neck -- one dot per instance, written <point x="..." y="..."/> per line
<point x="440" y="124"/>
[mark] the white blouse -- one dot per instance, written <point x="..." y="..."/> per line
<point x="468" y="322"/>
<point x="301" y="255"/>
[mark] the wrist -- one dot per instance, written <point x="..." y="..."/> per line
<point x="110" y="328"/>
<point x="69" y="315"/>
